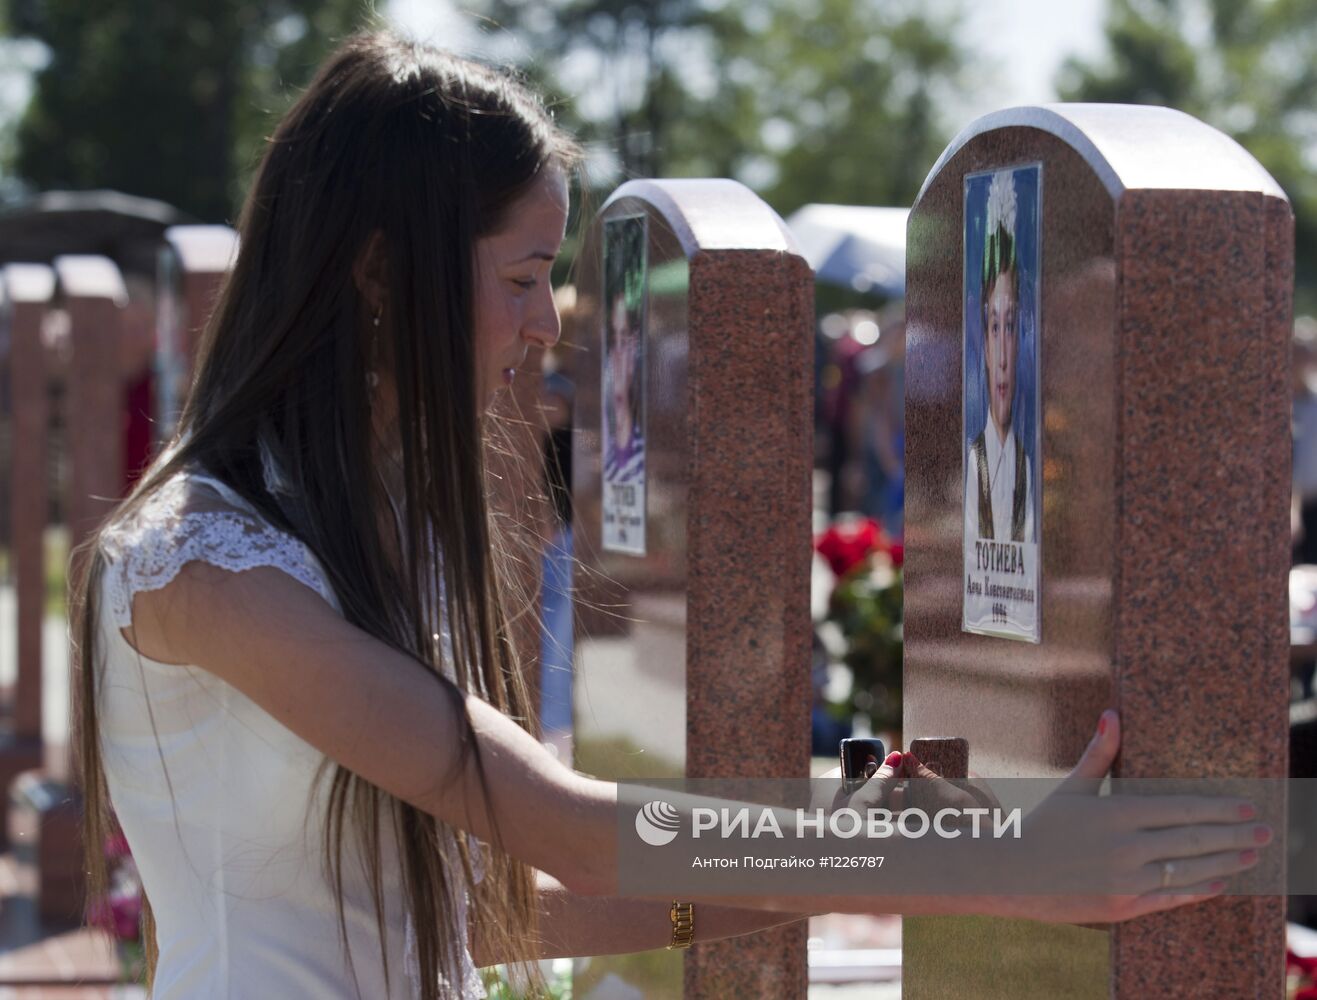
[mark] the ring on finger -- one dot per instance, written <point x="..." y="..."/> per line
<point x="1168" y="873"/>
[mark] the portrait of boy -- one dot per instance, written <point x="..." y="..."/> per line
<point x="1001" y="401"/>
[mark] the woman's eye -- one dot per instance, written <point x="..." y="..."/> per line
<point x="526" y="283"/>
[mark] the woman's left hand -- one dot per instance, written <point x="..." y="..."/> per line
<point x="880" y="782"/>
<point x="931" y="792"/>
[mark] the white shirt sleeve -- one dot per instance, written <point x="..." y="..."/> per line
<point x="195" y="519"/>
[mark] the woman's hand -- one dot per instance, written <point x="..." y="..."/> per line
<point x="931" y="792"/>
<point x="880" y="783"/>
<point x="1083" y="858"/>
<point x="883" y="788"/>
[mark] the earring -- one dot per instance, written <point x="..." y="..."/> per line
<point x="372" y="376"/>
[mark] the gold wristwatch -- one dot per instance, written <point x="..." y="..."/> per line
<point x="682" y="916"/>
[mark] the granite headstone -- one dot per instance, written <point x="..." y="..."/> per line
<point x="1097" y="503"/>
<point x="691" y="351"/>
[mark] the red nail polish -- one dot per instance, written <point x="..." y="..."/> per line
<point x="893" y="758"/>
<point x="1247" y="812"/>
<point x="1248" y="857"/>
<point x="1102" y="725"/>
<point x="1262" y="834"/>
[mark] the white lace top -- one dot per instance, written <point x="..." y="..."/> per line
<point x="218" y="799"/>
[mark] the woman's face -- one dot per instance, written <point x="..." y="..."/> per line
<point x="1000" y="347"/>
<point x="514" y="305"/>
<point x="622" y="365"/>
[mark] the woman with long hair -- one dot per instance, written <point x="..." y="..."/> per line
<point x="295" y="682"/>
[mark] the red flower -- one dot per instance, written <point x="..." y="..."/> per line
<point x="127" y="916"/>
<point x="116" y="847"/>
<point x="1306" y="993"/>
<point x="1307" y="966"/>
<point x="846" y="544"/>
<point x="897" y="552"/>
<point x="119" y="913"/>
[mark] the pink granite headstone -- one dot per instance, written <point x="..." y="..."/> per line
<point x="93" y="293"/>
<point x="192" y="266"/>
<point x="693" y="443"/>
<point x="28" y="289"/>
<point x="1155" y="265"/>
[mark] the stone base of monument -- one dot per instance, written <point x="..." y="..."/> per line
<point x="17" y="754"/>
<point x="45" y="825"/>
<point x="1015" y="958"/>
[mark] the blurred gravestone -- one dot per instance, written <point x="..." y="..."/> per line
<point x="191" y="266"/>
<point x="27" y="292"/>
<point x="93" y="293"/>
<point x="1098" y="453"/>
<point x="691" y="466"/>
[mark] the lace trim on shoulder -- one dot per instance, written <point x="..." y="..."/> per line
<point x="147" y="551"/>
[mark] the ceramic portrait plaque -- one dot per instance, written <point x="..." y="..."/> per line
<point x="1001" y="403"/>
<point x="624" y="308"/>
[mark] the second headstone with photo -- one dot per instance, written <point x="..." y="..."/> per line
<point x="691" y="348"/>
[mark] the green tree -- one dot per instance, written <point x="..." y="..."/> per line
<point x="1248" y="67"/>
<point x="849" y="94"/>
<point x="169" y="99"/>
<point x="804" y="100"/>
<point x="622" y="68"/>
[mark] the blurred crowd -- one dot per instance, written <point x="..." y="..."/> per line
<point x="1303" y="519"/>
<point x="1303" y="511"/>
<point x="859" y="453"/>
<point x="860" y="412"/>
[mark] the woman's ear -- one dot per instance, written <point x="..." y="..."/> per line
<point x="370" y="272"/>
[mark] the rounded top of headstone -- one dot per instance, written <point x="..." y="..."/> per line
<point x="29" y="282"/>
<point x="208" y="249"/>
<point x="712" y="214"/>
<point x="1133" y="147"/>
<point x="125" y="227"/>
<point x="90" y="276"/>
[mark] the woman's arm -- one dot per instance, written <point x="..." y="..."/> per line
<point x="572" y="925"/>
<point x="396" y="724"/>
<point x="373" y="710"/>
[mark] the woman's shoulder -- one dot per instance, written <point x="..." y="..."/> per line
<point x="193" y="516"/>
<point x="185" y="503"/>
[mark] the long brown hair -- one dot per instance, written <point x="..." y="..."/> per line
<point x="428" y="150"/>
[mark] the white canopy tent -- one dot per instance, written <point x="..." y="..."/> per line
<point x="855" y="246"/>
